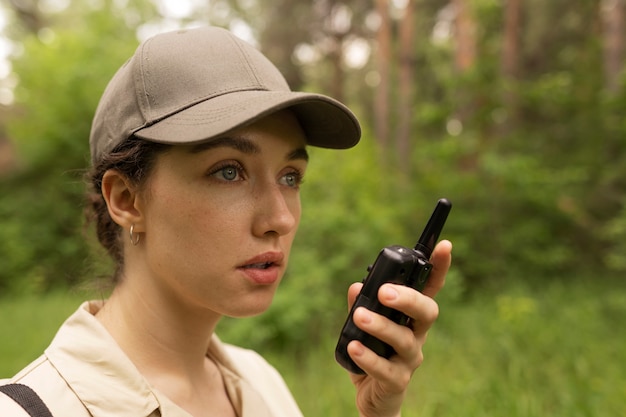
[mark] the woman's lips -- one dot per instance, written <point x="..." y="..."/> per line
<point x="263" y="269"/>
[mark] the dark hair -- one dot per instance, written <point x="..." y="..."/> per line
<point x="133" y="158"/>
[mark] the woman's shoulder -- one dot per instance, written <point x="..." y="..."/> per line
<point x="41" y="376"/>
<point x="8" y="406"/>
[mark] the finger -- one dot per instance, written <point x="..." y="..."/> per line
<point x="401" y="338"/>
<point x="441" y="260"/>
<point x="353" y="291"/>
<point x="395" y="372"/>
<point x="421" y="309"/>
<point x="395" y="377"/>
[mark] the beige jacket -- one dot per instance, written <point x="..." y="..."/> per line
<point x="84" y="373"/>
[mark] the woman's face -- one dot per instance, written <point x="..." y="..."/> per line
<point x="220" y="218"/>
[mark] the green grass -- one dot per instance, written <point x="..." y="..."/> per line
<point x="559" y="350"/>
<point x="553" y="351"/>
<point x="556" y="351"/>
<point x="27" y="325"/>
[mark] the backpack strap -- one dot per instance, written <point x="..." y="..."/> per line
<point x="27" y="399"/>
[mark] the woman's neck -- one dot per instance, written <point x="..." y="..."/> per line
<point x="159" y="334"/>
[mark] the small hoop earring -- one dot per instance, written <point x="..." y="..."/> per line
<point x="134" y="239"/>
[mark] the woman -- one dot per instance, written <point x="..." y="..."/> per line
<point x="198" y="150"/>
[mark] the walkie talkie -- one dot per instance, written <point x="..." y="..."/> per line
<point x="398" y="265"/>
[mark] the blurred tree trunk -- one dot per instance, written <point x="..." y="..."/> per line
<point x="464" y="58"/>
<point x="614" y="30"/>
<point x="406" y="90"/>
<point x="335" y="26"/>
<point x="465" y="55"/>
<point x="510" y="60"/>
<point x="383" y="57"/>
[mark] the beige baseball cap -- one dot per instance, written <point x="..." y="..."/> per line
<point x="190" y="86"/>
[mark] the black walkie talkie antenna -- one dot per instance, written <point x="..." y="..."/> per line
<point x="427" y="241"/>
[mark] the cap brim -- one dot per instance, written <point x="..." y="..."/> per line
<point x="326" y="122"/>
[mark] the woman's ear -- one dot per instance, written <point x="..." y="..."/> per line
<point x="121" y="199"/>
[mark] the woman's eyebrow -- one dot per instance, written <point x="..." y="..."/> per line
<point x="241" y="144"/>
<point x="245" y="146"/>
<point x="299" y="153"/>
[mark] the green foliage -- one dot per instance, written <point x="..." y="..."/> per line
<point x="615" y="231"/>
<point x="546" y="352"/>
<point x="61" y="77"/>
<point x="61" y="80"/>
<point x="539" y="197"/>
<point x="534" y="187"/>
<point x="40" y="226"/>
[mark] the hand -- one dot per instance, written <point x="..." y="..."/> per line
<point x="381" y="392"/>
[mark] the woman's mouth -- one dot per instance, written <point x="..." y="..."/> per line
<point x="263" y="265"/>
<point x="264" y="269"/>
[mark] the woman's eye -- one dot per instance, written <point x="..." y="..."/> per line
<point x="227" y="173"/>
<point x="292" y="179"/>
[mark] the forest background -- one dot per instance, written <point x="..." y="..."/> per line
<point x="513" y="110"/>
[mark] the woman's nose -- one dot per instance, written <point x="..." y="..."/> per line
<point x="276" y="211"/>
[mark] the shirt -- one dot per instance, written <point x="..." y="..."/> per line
<point x="85" y="373"/>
